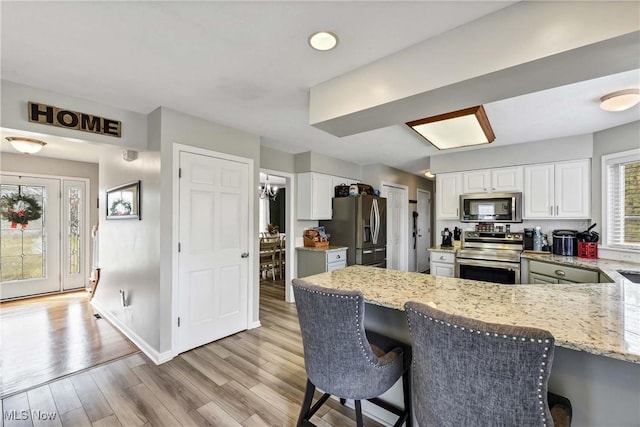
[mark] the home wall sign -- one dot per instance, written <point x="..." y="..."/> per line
<point x="59" y="117"/>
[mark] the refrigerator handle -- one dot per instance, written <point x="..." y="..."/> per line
<point x="375" y="217"/>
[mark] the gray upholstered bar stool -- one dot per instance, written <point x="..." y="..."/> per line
<point x="472" y="373"/>
<point x="339" y="357"/>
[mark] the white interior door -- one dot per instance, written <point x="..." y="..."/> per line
<point x="423" y="229"/>
<point x="213" y="263"/>
<point x="30" y="253"/>
<point x="397" y="226"/>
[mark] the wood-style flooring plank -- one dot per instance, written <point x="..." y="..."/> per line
<point x="253" y="378"/>
<point x="65" y="396"/>
<point x="52" y="336"/>
<point x="75" y="418"/>
<point x="128" y="413"/>
<point x="43" y="408"/>
<point x="16" y="411"/>
<point x="93" y="401"/>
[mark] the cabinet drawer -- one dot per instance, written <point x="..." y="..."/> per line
<point x="564" y="272"/>
<point x="336" y="265"/>
<point x="333" y="256"/>
<point x="448" y="257"/>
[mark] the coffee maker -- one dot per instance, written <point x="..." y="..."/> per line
<point x="528" y="238"/>
<point x="446" y="238"/>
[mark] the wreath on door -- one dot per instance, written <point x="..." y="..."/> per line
<point x="19" y="209"/>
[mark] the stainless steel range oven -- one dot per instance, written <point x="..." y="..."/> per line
<point x="490" y="256"/>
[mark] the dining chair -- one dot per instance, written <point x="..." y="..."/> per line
<point x="344" y="360"/>
<point x="268" y="256"/>
<point x="472" y="373"/>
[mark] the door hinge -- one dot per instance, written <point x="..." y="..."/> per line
<point x="179" y="247"/>
<point x="179" y="172"/>
<point x="178" y="322"/>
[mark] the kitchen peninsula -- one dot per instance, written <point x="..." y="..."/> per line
<point x="596" y="327"/>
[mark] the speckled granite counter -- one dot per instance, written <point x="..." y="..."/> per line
<point x="607" y="267"/>
<point x="320" y="249"/>
<point x="602" y="319"/>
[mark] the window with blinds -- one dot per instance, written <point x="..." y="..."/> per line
<point x="621" y="196"/>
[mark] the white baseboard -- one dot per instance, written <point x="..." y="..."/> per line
<point x="153" y="354"/>
<point x="255" y="324"/>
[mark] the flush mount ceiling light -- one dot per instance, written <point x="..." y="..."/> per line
<point x="620" y="100"/>
<point x="429" y="174"/>
<point x="460" y="128"/>
<point x="323" y="40"/>
<point x="26" y="145"/>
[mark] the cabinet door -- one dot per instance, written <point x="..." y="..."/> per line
<point x="538" y="279"/>
<point x="322" y="192"/>
<point x="448" y="188"/>
<point x="538" y="197"/>
<point x="573" y="189"/>
<point x="476" y="181"/>
<point x="441" y="269"/>
<point x="506" y="179"/>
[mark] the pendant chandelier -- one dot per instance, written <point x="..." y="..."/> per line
<point x="268" y="190"/>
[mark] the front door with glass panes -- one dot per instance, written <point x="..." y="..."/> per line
<point x="35" y="212"/>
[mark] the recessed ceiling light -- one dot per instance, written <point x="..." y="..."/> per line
<point x="620" y="100"/>
<point x="456" y="129"/>
<point x="323" y="40"/>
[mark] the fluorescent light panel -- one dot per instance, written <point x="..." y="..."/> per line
<point x="461" y="128"/>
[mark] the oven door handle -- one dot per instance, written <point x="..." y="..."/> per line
<point x="485" y="263"/>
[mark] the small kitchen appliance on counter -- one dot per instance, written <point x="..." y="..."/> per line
<point x="565" y="242"/>
<point x="446" y="239"/>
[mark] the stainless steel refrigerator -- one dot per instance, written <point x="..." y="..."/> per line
<point x="360" y="224"/>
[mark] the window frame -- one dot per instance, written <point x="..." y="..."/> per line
<point x="632" y="155"/>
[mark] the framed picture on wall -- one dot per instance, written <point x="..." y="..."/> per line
<point x="123" y="202"/>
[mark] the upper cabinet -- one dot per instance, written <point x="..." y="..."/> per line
<point x="557" y="190"/>
<point x="493" y="180"/>
<point x="448" y="190"/>
<point x="315" y="191"/>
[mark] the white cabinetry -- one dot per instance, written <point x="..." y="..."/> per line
<point x="493" y="180"/>
<point x="442" y="263"/>
<point x="557" y="190"/>
<point x="315" y="191"/>
<point x="448" y="190"/>
<point x="316" y="261"/>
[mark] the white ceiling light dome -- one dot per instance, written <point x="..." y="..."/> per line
<point x="620" y="100"/>
<point x="26" y="145"/>
<point x="323" y="40"/>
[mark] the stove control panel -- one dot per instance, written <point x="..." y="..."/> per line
<point x="493" y="236"/>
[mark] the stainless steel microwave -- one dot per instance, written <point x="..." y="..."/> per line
<point x="491" y="207"/>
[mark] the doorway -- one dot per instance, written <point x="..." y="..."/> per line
<point x="397" y="225"/>
<point x="285" y="212"/>
<point x="44" y="233"/>
<point x="423" y="230"/>
<point x="214" y="299"/>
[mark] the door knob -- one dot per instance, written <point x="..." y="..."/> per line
<point x="245" y="255"/>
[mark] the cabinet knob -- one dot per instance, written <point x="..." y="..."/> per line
<point x="337" y="256"/>
<point x="442" y="257"/>
<point x="244" y="255"/>
<point x="560" y="273"/>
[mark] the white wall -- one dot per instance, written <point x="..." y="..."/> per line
<point x="166" y="128"/>
<point x="130" y="249"/>
<point x="15" y="98"/>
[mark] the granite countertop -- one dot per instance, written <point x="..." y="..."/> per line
<point x="320" y="248"/>
<point x="602" y="319"/>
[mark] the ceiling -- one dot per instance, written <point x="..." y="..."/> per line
<point x="248" y="65"/>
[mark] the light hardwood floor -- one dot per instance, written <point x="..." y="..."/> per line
<point x="47" y="337"/>
<point x="253" y="378"/>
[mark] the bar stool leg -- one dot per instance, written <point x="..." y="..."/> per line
<point x="306" y="403"/>
<point x="406" y="391"/>
<point x="359" y="422"/>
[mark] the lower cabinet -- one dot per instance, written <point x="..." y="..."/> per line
<point x="443" y="263"/>
<point x="315" y="261"/>
<point x="546" y="272"/>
